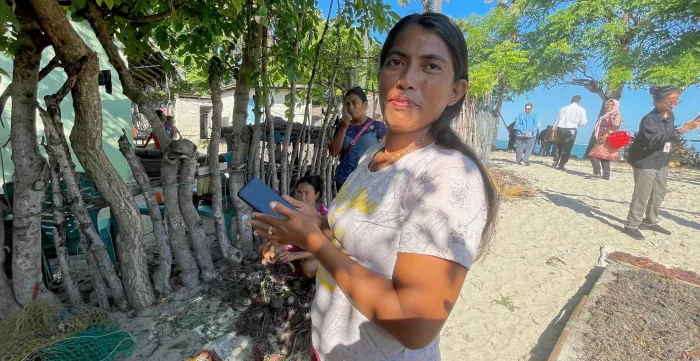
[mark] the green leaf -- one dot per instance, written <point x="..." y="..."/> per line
<point x="79" y="4"/>
<point x="99" y="2"/>
<point x="237" y="5"/>
<point x="188" y="61"/>
<point x="109" y="3"/>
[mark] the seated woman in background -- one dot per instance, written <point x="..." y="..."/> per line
<point x="308" y="190"/>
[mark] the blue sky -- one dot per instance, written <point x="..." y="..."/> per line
<point x="634" y="104"/>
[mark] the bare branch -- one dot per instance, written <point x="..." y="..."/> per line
<point x="3" y="100"/>
<point x="53" y="64"/>
<point x="72" y="70"/>
<point x="129" y="88"/>
<point x="148" y="18"/>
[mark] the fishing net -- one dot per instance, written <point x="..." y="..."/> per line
<point x="97" y="343"/>
<point x="48" y="331"/>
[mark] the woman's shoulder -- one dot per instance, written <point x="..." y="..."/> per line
<point x="446" y="164"/>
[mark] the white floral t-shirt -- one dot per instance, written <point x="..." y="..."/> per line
<point x="430" y="202"/>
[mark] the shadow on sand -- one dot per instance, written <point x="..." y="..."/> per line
<point x="548" y="338"/>
<point x="565" y="200"/>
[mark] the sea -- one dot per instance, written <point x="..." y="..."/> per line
<point x="577" y="150"/>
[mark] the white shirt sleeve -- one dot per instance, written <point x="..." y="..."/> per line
<point x="556" y="122"/>
<point x="583" y="119"/>
<point x="446" y="215"/>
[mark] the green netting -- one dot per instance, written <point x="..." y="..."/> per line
<point x="97" y="343"/>
<point x="42" y="324"/>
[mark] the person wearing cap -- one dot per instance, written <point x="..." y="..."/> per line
<point x="525" y="128"/>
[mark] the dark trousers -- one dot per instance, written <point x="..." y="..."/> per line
<point x="565" y="142"/>
<point x="599" y="164"/>
<point x="546" y="147"/>
<point x="338" y="185"/>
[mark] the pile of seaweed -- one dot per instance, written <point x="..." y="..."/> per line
<point x="643" y="316"/>
<point x="275" y="309"/>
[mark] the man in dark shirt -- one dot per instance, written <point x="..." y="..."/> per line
<point x="648" y="156"/>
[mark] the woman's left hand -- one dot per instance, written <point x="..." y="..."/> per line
<point x="294" y="229"/>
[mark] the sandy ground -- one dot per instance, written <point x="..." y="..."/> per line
<point x="517" y="300"/>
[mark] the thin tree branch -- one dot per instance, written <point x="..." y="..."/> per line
<point x="72" y="70"/>
<point x="129" y="88"/>
<point x="148" y="18"/>
<point x="3" y="100"/>
<point x="53" y="64"/>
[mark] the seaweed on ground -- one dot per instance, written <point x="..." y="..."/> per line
<point x="642" y="316"/>
<point x="646" y="263"/>
<point x="510" y="185"/>
<point x="276" y="310"/>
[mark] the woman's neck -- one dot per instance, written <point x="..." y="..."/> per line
<point x="395" y="142"/>
<point x="358" y="121"/>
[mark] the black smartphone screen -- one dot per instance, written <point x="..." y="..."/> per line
<point x="258" y="195"/>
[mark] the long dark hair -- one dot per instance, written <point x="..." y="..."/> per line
<point x="441" y="130"/>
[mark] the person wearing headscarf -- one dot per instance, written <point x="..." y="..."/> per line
<point x="602" y="153"/>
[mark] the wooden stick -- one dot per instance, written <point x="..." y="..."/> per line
<point x="567" y="330"/>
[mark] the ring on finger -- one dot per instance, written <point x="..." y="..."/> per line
<point x="269" y="231"/>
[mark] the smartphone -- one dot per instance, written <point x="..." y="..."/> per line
<point x="258" y="195"/>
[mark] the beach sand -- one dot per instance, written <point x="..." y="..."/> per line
<point x="516" y="301"/>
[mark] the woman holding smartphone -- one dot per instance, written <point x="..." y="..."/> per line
<point x="409" y="222"/>
<point x="648" y="156"/>
<point x="355" y="133"/>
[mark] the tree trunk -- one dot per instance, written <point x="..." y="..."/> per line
<point x="189" y="273"/>
<point x="59" y="234"/>
<point x="58" y="148"/>
<point x="88" y="148"/>
<point x="231" y="252"/>
<point x="161" y="278"/>
<point x="31" y="175"/>
<point x="129" y="88"/>
<point x="8" y="303"/>
<point x="257" y="133"/>
<point x="195" y="229"/>
<point x="321" y="143"/>
<point x="285" y="182"/>
<point x="274" y="183"/>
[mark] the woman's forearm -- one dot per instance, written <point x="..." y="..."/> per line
<point x="336" y="145"/>
<point x="374" y="295"/>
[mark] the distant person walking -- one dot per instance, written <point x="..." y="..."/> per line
<point x="648" y="156"/>
<point x="569" y="118"/>
<point x="525" y="128"/>
<point x="602" y="153"/>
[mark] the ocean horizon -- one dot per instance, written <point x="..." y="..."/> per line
<point x="578" y="150"/>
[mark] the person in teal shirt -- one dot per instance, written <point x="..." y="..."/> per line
<point x="525" y="130"/>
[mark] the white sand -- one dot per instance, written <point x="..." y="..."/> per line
<point x="545" y="248"/>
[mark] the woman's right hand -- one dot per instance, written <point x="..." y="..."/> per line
<point x="690" y="125"/>
<point x="345" y="120"/>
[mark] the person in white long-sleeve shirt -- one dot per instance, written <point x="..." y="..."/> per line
<point x="569" y="119"/>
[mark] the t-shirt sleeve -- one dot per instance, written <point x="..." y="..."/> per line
<point x="445" y="215"/>
<point x="381" y="130"/>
